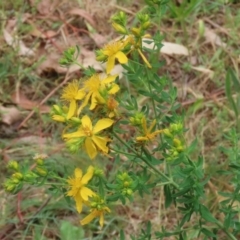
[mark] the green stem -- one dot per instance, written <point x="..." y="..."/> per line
<point x="225" y="230"/>
<point x="147" y="162"/>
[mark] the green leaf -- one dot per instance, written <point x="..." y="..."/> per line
<point x="207" y="232"/>
<point x="70" y="232"/>
<point x="122" y="236"/>
<point x="168" y="196"/>
<point x="206" y="214"/>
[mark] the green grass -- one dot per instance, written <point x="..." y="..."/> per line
<point x="206" y="120"/>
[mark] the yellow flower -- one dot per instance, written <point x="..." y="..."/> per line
<point x="78" y="189"/>
<point x="72" y="93"/>
<point x="98" y="210"/>
<point x="148" y="134"/>
<point x="92" y="142"/>
<point x="113" y="51"/>
<point x="96" y="87"/>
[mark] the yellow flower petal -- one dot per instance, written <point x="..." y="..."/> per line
<point x="88" y="175"/>
<point x="84" y="104"/>
<point x="90" y="148"/>
<point x="79" y="202"/>
<point x="121" y="57"/>
<point x="86" y="122"/>
<point x="78" y="173"/>
<point x="152" y="125"/>
<point x="85" y="193"/>
<point x="89" y="217"/>
<point x="101" y="219"/>
<point x="115" y="88"/>
<point x="110" y="64"/>
<point x="102" y="124"/>
<point x="80" y="94"/>
<point x="109" y="79"/>
<point x="78" y="134"/>
<point x="101" y="143"/>
<point x="142" y="139"/>
<point x="72" y="109"/>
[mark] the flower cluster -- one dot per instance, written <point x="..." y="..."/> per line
<point x="90" y="111"/>
<point x="23" y="175"/>
<point x="82" y="194"/>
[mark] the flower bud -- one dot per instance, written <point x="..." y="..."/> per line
<point x="129" y="192"/>
<point x="136" y="31"/>
<point x="136" y="120"/>
<point x="98" y="172"/>
<point x="57" y="109"/>
<point x="30" y="176"/>
<point x="17" y="175"/>
<point x="167" y="133"/>
<point x="176" y="127"/>
<point x="13" y="165"/>
<point x="119" y="28"/>
<point x="9" y="186"/>
<point x="177" y="142"/>
<point x="100" y="56"/>
<point x="58" y="118"/>
<point x="41" y="171"/>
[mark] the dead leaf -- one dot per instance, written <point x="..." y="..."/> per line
<point x="168" y="48"/>
<point x="84" y="14"/>
<point x="9" y="115"/>
<point x="22" y="101"/>
<point x="204" y="70"/>
<point x="213" y="38"/>
<point x="17" y="44"/>
<point x="86" y="58"/>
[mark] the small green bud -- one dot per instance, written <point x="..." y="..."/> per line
<point x="100" y="56"/>
<point x="13" y="165"/>
<point x="136" y="120"/>
<point x="57" y="109"/>
<point x="40" y="162"/>
<point x="30" y="176"/>
<point x="17" y="175"/>
<point x="167" y="133"/>
<point x="98" y="172"/>
<point x="71" y="50"/>
<point x="41" y="171"/>
<point x="126" y="184"/>
<point x="146" y="25"/>
<point x="177" y="142"/>
<point x="9" y="186"/>
<point x="129" y="192"/>
<point x="119" y="28"/>
<point x="136" y="31"/>
<point x="93" y="205"/>
<point x="120" y="18"/>
<point x="76" y="120"/>
<point x="176" y="127"/>
<point x="143" y="18"/>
